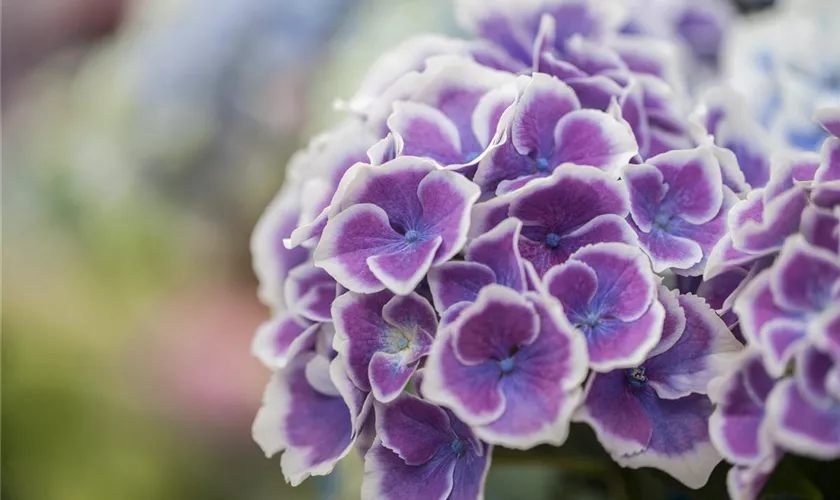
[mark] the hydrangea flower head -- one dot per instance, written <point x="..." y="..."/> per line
<point x="513" y="232"/>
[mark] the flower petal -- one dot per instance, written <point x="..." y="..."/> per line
<point x="280" y="340"/>
<point x="545" y="100"/>
<point x="310" y="292"/>
<point x="388" y="477"/>
<point x="802" y="427"/>
<point x="412" y="428"/>
<point x="703" y="352"/>
<point x="313" y="430"/>
<point x="680" y="442"/>
<point x="349" y="239"/>
<point x="623" y="432"/>
<point x="499" y="251"/>
<point x="447" y="199"/>
<point x="458" y="281"/>
<point x="694" y="183"/>
<point x="590" y="137"/>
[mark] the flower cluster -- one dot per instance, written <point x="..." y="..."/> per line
<point x="477" y="256"/>
<point x="778" y="270"/>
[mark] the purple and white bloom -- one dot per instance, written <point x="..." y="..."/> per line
<point x="759" y="225"/>
<point x="609" y="293"/>
<point x="678" y="207"/>
<point x="423" y="452"/>
<point x="382" y="338"/>
<point x="493" y="257"/>
<point x="395" y="221"/>
<point x="455" y="113"/>
<point x="285" y="336"/>
<point x="311" y="413"/>
<point x="309" y="292"/>
<point x="656" y="414"/>
<point x="745" y="482"/>
<point x="795" y="298"/>
<point x="723" y="114"/>
<point x="700" y="27"/>
<point x="804" y="411"/>
<point x="514" y="25"/>
<point x="738" y="427"/>
<point x="548" y="128"/>
<point x="412" y="55"/>
<point x="574" y="207"/>
<point x="272" y="260"/>
<point x="510" y="366"/>
<point x="634" y="78"/>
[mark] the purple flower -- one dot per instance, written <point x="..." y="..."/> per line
<point x="422" y="451"/>
<point x="678" y="208"/>
<point x="656" y="414"/>
<point x="758" y="225"/>
<point x="804" y="411"/>
<point x="738" y="426"/>
<point x="701" y="27"/>
<point x="382" y="339"/>
<point x="453" y="114"/>
<point x="548" y="129"/>
<point x="574" y="207"/>
<point x="493" y="257"/>
<point x="798" y="295"/>
<point x="633" y="77"/>
<point x="316" y="173"/>
<point x="396" y="220"/>
<point x="272" y="260"/>
<point x="310" y="292"/>
<point x="514" y="26"/>
<point x="595" y="72"/>
<point x="312" y="413"/>
<point x="279" y="340"/>
<point x="510" y="367"/>
<point x="412" y="55"/>
<point x="725" y="116"/>
<point x="608" y="292"/>
<point x="745" y="482"/>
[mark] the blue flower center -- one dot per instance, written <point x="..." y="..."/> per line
<point x="542" y="164"/>
<point x="590" y="320"/>
<point x="506" y="365"/>
<point x="662" y="220"/>
<point x="458" y="447"/>
<point x="402" y="343"/>
<point x="472" y="155"/>
<point x="636" y="376"/>
<point x="552" y="240"/>
<point x="411" y="236"/>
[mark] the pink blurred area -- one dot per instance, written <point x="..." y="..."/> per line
<point x="197" y="341"/>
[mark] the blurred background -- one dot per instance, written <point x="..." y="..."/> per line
<point x="141" y="141"/>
